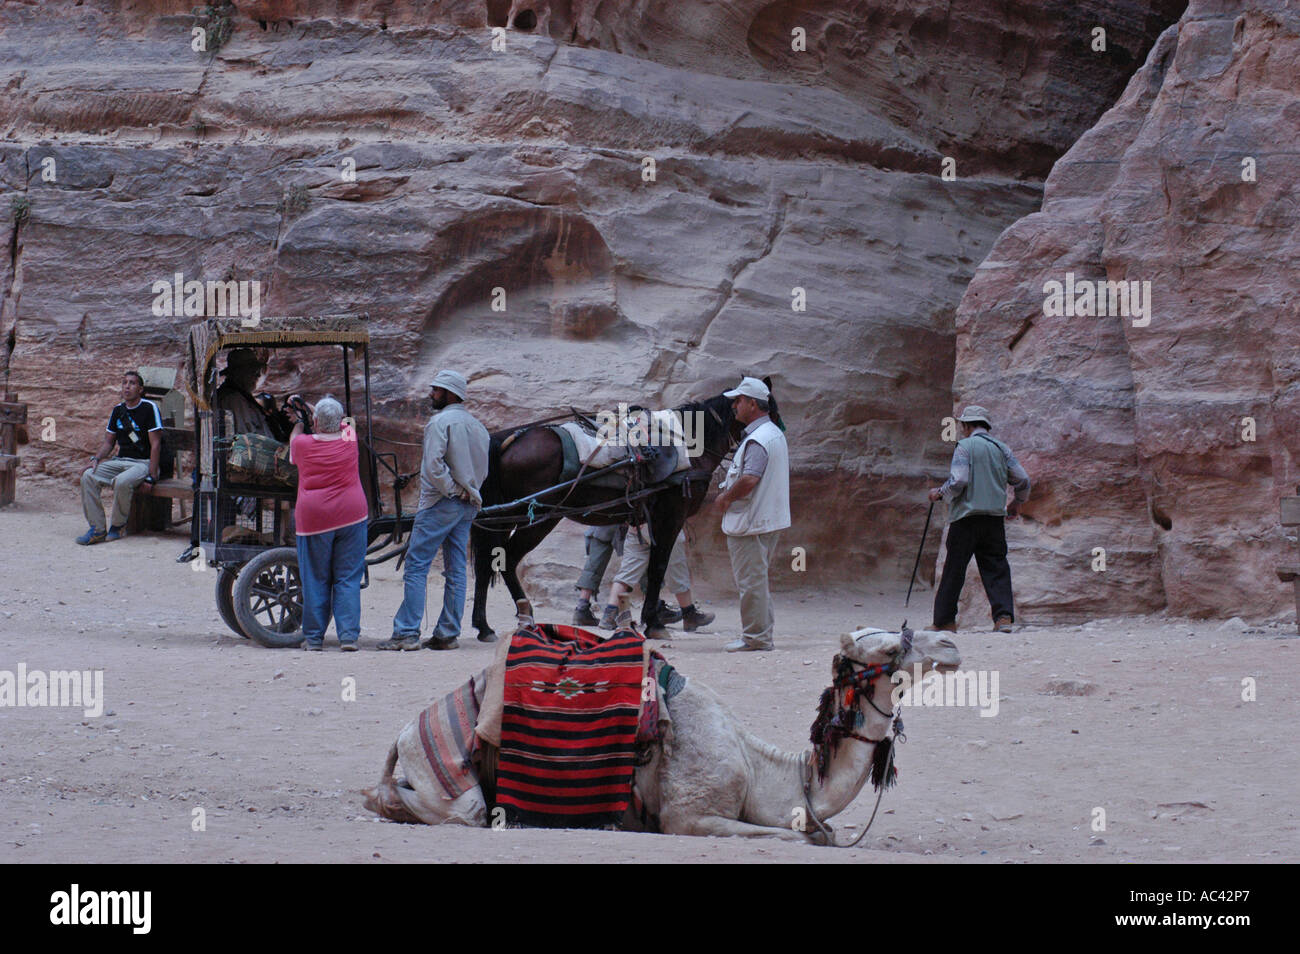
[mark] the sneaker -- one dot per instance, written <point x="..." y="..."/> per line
<point x="400" y="642"/>
<point x="91" y="536"/>
<point x="438" y="642"/>
<point x="583" y="616"/>
<point x="693" y="619"/>
<point x="743" y="645"/>
<point x="1002" y="624"/>
<point x="668" y="614"/>
<point x="313" y="647"/>
<point x="609" y="619"/>
<point x="351" y="647"/>
<point x="115" y="533"/>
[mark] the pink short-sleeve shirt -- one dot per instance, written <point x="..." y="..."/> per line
<point x="329" y="485"/>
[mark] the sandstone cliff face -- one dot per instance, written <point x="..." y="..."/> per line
<point x="1136" y="432"/>
<point x="523" y="169"/>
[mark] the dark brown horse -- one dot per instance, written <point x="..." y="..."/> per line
<point x="533" y="461"/>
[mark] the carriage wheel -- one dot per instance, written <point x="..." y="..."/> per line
<point x="226" y="600"/>
<point x="268" y="598"/>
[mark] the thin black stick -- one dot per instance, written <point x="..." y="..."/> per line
<point x="917" y="565"/>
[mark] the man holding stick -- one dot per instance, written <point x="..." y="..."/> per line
<point x="976" y="491"/>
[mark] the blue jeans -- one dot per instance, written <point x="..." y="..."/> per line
<point x="331" y="565"/>
<point x="446" y="524"/>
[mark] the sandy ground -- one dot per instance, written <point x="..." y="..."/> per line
<point x="262" y="740"/>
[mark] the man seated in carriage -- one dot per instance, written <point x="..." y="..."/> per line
<point x="251" y="414"/>
<point x="247" y="414"/>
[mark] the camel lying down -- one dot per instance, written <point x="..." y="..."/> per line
<point x="714" y="777"/>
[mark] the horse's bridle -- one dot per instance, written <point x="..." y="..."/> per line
<point x="732" y="443"/>
<point x="853" y="685"/>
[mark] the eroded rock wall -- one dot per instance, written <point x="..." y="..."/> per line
<point x="1139" y="434"/>
<point x="523" y="169"/>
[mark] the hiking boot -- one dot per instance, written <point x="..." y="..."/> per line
<point x="91" y="536"/>
<point x="693" y="619"/>
<point x="400" y="642"/>
<point x="438" y="642"/>
<point x="668" y="614"/>
<point x="609" y="619"/>
<point x="583" y="616"/>
<point x="946" y="628"/>
<point x="1002" y="624"/>
<point x="115" y="533"/>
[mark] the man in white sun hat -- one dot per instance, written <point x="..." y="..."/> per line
<point x="976" y="491"/>
<point x="755" y="507"/>
<point x="452" y="471"/>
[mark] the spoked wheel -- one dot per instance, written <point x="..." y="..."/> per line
<point x="226" y="600"/>
<point x="268" y="598"/>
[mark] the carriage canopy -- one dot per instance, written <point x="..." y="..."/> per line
<point x="211" y="335"/>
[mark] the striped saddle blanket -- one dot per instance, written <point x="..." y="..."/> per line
<point x="447" y="740"/>
<point x="569" y="725"/>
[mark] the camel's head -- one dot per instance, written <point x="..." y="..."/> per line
<point x="876" y="647"/>
<point x="860" y="692"/>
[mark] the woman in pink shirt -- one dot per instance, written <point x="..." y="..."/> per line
<point x="330" y="520"/>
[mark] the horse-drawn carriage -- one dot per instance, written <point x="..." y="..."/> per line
<point x="243" y="519"/>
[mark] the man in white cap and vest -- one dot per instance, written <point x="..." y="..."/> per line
<point x="454" y="467"/>
<point x="976" y="491"/>
<point x="755" y="504"/>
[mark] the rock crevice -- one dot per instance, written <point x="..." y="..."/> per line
<point x="1163" y="439"/>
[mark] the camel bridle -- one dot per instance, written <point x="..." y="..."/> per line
<point x="848" y="686"/>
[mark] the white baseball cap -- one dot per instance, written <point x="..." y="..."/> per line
<point x="750" y="387"/>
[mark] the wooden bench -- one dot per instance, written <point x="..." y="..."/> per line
<point x="1290" y="572"/>
<point x="151" y="505"/>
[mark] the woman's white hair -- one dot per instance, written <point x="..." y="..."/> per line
<point x="329" y="415"/>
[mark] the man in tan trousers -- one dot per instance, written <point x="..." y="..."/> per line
<point x="135" y="426"/>
<point x="755" y="507"/>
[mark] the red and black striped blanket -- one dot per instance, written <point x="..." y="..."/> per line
<point x="568" y="726"/>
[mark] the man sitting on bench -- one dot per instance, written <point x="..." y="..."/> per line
<point x="135" y="426"/>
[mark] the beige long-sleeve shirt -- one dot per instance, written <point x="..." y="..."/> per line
<point x="455" y="457"/>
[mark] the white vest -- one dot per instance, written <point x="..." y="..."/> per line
<point x="767" y="507"/>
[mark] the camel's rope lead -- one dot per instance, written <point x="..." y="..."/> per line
<point x="829" y="833"/>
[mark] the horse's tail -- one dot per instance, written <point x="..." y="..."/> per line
<point x="491" y="489"/>
<point x="480" y="539"/>
<point x="480" y="554"/>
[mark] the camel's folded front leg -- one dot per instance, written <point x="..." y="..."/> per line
<point x="726" y="827"/>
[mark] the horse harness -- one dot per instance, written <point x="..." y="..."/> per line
<point x="635" y="494"/>
<point x="830" y="727"/>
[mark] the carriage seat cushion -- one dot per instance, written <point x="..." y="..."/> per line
<point x="258" y="459"/>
